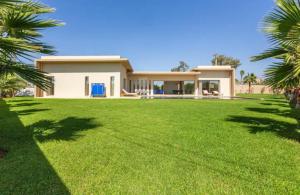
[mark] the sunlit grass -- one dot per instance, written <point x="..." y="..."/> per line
<point x="149" y="146"/>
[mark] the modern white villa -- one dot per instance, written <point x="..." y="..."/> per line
<point x="114" y="77"/>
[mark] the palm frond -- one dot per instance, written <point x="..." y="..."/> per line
<point x="24" y="24"/>
<point x="5" y="3"/>
<point x="282" y="25"/>
<point x="282" y="28"/>
<point x="270" y="53"/>
<point x="17" y="47"/>
<point x="34" y="7"/>
<point x="279" y="75"/>
<point x="20" y="26"/>
<point x="27" y="72"/>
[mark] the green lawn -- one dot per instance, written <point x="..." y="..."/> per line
<point x="59" y="146"/>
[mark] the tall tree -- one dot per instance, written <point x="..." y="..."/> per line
<point x="182" y="67"/>
<point x="281" y="27"/>
<point x="222" y="60"/>
<point x="20" y="24"/>
<point x="242" y="73"/>
<point x="250" y="79"/>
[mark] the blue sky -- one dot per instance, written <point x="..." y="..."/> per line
<point x="156" y="34"/>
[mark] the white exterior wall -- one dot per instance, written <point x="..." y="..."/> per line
<point x="69" y="78"/>
<point x="222" y="76"/>
<point x="123" y="75"/>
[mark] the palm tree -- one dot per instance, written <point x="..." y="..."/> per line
<point x="282" y="29"/>
<point x="222" y="60"/>
<point x="242" y="73"/>
<point x="8" y="2"/>
<point x="20" y="25"/>
<point x="250" y="79"/>
<point x="10" y="84"/>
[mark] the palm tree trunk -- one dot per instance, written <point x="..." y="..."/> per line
<point x="249" y="87"/>
<point x="298" y="98"/>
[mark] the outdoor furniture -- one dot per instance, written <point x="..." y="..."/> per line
<point x="144" y="92"/>
<point x="205" y="92"/>
<point x="158" y="91"/>
<point x="216" y="93"/>
<point x="177" y="92"/>
<point x="147" y="92"/>
<point x="126" y="93"/>
<point x="138" y="91"/>
<point x="98" y="90"/>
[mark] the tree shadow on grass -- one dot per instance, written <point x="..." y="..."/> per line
<point x="290" y="112"/>
<point x="25" y="104"/>
<point x="64" y="130"/>
<point x="276" y="111"/>
<point x="263" y="124"/>
<point x="25" y="169"/>
<point x="285" y="105"/>
<point x="266" y="124"/>
<point x="30" y="111"/>
<point x="21" y="100"/>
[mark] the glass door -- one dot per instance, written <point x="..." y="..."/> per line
<point x="210" y="86"/>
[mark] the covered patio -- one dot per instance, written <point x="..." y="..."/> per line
<point x="177" y="84"/>
<point x="163" y="83"/>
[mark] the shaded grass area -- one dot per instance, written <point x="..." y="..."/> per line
<point x="271" y="97"/>
<point x="25" y="169"/>
<point x="149" y="146"/>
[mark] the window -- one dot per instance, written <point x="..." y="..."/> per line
<point x="189" y="87"/>
<point x="149" y="86"/>
<point x="50" y="90"/>
<point x="86" y="86"/>
<point x="158" y="87"/>
<point x="210" y="85"/>
<point x="134" y="85"/>
<point x="112" y="86"/>
<point x="137" y="84"/>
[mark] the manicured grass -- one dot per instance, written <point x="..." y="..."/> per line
<point x="59" y="146"/>
<point x="260" y="96"/>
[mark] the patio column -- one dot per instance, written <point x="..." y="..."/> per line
<point x="151" y="84"/>
<point x="196" y="87"/>
<point x="140" y="84"/>
<point x="199" y="87"/>
<point x="147" y="86"/>
<point x="144" y="84"/>
<point x="135" y="85"/>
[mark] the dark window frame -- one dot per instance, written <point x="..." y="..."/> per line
<point x="86" y="86"/>
<point x="50" y="90"/>
<point x="112" y="86"/>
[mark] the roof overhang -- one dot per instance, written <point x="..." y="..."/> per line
<point x="87" y="59"/>
<point x="212" y="68"/>
<point x="164" y="73"/>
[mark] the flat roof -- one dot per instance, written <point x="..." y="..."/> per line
<point x="163" y="73"/>
<point x="80" y="57"/>
<point x="126" y="63"/>
<point x="199" y="68"/>
<point x="101" y="59"/>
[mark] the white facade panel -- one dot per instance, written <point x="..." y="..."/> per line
<point x="222" y="76"/>
<point x="69" y="79"/>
